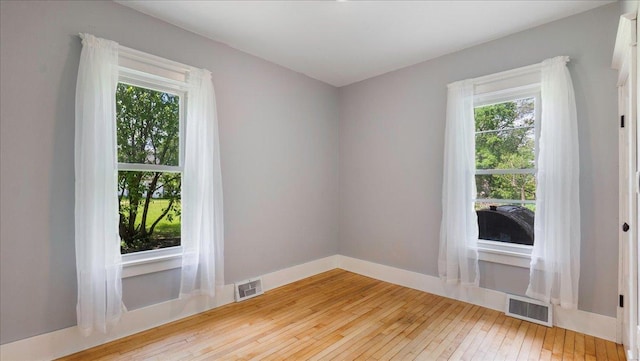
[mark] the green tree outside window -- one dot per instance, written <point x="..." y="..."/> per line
<point x="148" y="132"/>
<point x="505" y="140"/>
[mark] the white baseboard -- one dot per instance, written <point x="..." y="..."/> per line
<point x="477" y="296"/>
<point x="69" y="340"/>
<point x="588" y="323"/>
<point x="576" y="320"/>
<point x="296" y="273"/>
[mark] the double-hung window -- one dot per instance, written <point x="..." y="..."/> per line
<point x="136" y="175"/>
<point x="149" y="167"/>
<point x="496" y="178"/>
<point x="150" y="118"/>
<point x="506" y="135"/>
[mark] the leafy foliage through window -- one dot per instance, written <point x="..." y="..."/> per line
<point x="505" y="151"/>
<point x="149" y="177"/>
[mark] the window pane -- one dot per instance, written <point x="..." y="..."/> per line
<point x="149" y="210"/>
<point x="506" y="149"/>
<point x="506" y="186"/>
<point x="506" y="223"/>
<point x="148" y="123"/>
<point x="505" y="135"/>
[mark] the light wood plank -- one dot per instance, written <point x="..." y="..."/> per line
<point x="527" y="343"/>
<point x="493" y="339"/>
<point x="453" y="341"/>
<point x="579" y="353"/>
<point x="601" y="349"/>
<point x="488" y="317"/>
<point x="558" y="344"/>
<point x="569" y="345"/>
<point x="622" y="355"/>
<point x="536" y="346"/>
<point x="612" y="351"/>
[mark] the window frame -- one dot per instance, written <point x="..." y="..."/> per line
<point x="499" y="91"/>
<point x="149" y="71"/>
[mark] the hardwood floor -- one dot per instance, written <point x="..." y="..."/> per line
<point x="338" y="315"/>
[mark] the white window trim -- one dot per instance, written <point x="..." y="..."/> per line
<point x="498" y="88"/>
<point x="153" y="72"/>
<point x="505" y="253"/>
<point x="139" y="263"/>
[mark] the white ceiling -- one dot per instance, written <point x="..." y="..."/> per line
<point x="342" y="42"/>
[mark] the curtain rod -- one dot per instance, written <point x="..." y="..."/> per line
<point x="133" y="53"/>
<point x="510" y="73"/>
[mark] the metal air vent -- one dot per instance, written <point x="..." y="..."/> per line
<point x="529" y="310"/>
<point x="248" y="289"/>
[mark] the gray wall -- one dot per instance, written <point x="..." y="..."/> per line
<point x="279" y="146"/>
<point x="391" y="153"/>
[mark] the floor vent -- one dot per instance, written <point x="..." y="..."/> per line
<point x="248" y="289"/>
<point x="530" y="310"/>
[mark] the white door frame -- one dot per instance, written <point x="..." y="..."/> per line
<point x="625" y="61"/>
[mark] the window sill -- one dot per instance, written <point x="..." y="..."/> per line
<point x="140" y="263"/>
<point x="499" y="252"/>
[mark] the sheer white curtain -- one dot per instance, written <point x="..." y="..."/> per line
<point x="458" y="257"/>
<point x="555" y="260"/>
<point x="202" y="221"/>
<point x="98" y="260"/>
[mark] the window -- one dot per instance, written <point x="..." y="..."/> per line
<point x="150" y="118"/>
<point x="506" y="134"/>
<point x="502" y="113"/>
<point x="134" y="170"/>
<point x="149" y="167"/>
